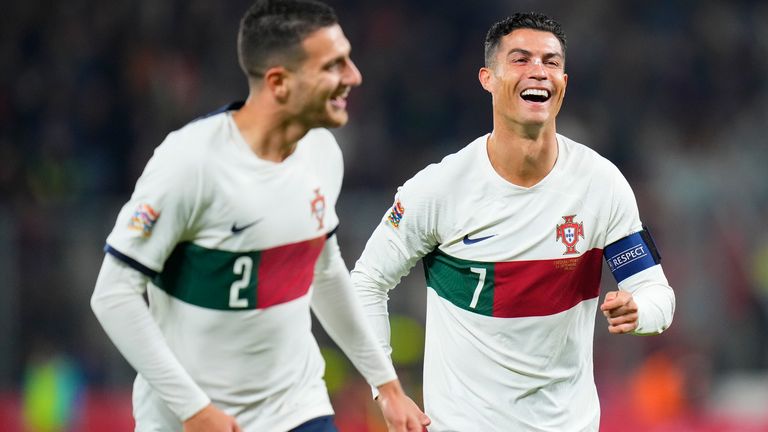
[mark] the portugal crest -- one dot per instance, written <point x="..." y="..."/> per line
<point x="318" y="208"/>
<point x="570" y="231"/>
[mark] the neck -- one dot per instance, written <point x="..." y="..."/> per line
<point x="523" y="156"/>
<point x="268" y="131"/>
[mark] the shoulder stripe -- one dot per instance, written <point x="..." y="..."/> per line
<point x="228" y="107"/>
<point x="332" y="232"/>
<point x="130" y="261"/>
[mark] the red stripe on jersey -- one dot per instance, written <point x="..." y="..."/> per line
<point x="546" y="287"/>
<point x="286" y="272"/>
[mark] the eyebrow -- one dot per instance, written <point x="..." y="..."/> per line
<point x="528" y="53"/>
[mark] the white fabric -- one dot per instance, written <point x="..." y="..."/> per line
<point x="262" y="365"/>
<point x="338" y="310"/>
<point x="481" y="372"/>
<point x="121" y="310"/>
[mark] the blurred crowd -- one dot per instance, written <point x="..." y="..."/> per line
<point x="670" y="91"/>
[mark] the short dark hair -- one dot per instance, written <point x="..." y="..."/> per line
<point x="529" y="20"/>
<point x="271" y="32"/>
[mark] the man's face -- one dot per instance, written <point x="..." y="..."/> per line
<point x="528" y="78"/>
<point x="324" y="79"/>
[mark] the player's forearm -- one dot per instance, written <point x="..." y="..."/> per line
<point x="390" y="389"/>
<point x="373" y="301"/>
<point x="655" y="300"/>
<point x="382" y="265"/>
<point x="341" y="315"/>
<point x="120" y="308"/>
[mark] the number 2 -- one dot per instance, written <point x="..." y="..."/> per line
<point x="243" y="266"/>
<point x="480" y="283"/>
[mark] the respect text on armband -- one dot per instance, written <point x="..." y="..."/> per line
<point x="631" y="255"/>
<point x="626" y="257"/>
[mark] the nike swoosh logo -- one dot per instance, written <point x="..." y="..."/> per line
<point x="469" y="241"/>
<point x="236" y="229"/>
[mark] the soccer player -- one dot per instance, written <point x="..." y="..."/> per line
<point x="230" y="232"/>
<point x="512" y="230"/>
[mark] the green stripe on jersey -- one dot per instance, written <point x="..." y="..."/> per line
<point x="467" y="284"/>
<point x="211" y="278"/>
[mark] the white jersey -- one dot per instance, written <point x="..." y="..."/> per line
<point x="513" y="278"/>
<point x="231" y="242"/>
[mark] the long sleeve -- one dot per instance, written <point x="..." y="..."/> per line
<point x="338" y="310"/>
<point x="650" y="289"/>
<point x="119" y="306"/>
<point x="381" y="267"/>
<point x="397" y="243"/>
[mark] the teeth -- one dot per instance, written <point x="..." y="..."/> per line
<point x="535" y="92"/>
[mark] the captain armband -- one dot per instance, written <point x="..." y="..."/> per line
<point x="631" y="255"/>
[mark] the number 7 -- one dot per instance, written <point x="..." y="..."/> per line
<point x="480" y="283"/>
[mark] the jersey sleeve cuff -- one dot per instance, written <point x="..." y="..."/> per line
<point x="193" y="407"/>
<point x="650" y="319"/>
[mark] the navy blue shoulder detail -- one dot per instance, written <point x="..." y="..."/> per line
<point x="130" y="261"/>
<point x="228" y="107"/>
<point x="331" y="232"/>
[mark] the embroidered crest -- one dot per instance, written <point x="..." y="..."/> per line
<point x="569" y="232"/>
<point x="396" y="214"/>
<point x="143" y="219"/>
<point x="318" y="208"/>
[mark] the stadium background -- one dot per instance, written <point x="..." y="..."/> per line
<point x="673" y="92"/>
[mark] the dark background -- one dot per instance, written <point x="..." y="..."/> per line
<point x="672" y="92"/>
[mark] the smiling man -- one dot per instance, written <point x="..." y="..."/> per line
<point x="230" y="232"/>
<point x="512" y="230"/>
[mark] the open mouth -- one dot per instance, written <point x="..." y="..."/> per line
<point x="535" y="95"/>
<point x="340" y="101"/>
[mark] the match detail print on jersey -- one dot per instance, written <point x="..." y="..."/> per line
<point x="632" y="254"/>
<point x="224" y="280"/>
<point x="515" y="289"/>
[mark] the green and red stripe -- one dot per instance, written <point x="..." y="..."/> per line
<point x="204" y="277"/>
<point x="517" y="288"/>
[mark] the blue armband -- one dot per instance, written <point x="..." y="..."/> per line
<point x="631" y="255"/>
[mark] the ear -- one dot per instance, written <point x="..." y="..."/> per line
<point x="565" y="84"/>
<point x="486" y="78"/>
<point x="277" y="81"/>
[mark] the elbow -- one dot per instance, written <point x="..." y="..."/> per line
<point x="102" y="300"/>
<point x="670" y="313"/>
<point x="97" y="305"/>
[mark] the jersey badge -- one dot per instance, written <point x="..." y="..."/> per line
<point x="569" y="232"/>
<point x="396" y="214"/>
<point x="318" y="208"/>
<point x="143" y="219"/>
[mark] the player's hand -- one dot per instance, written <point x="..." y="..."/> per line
<point x="621" y="312"/>
<point x="400" y="412"/>
<point x="211" y="419"/>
